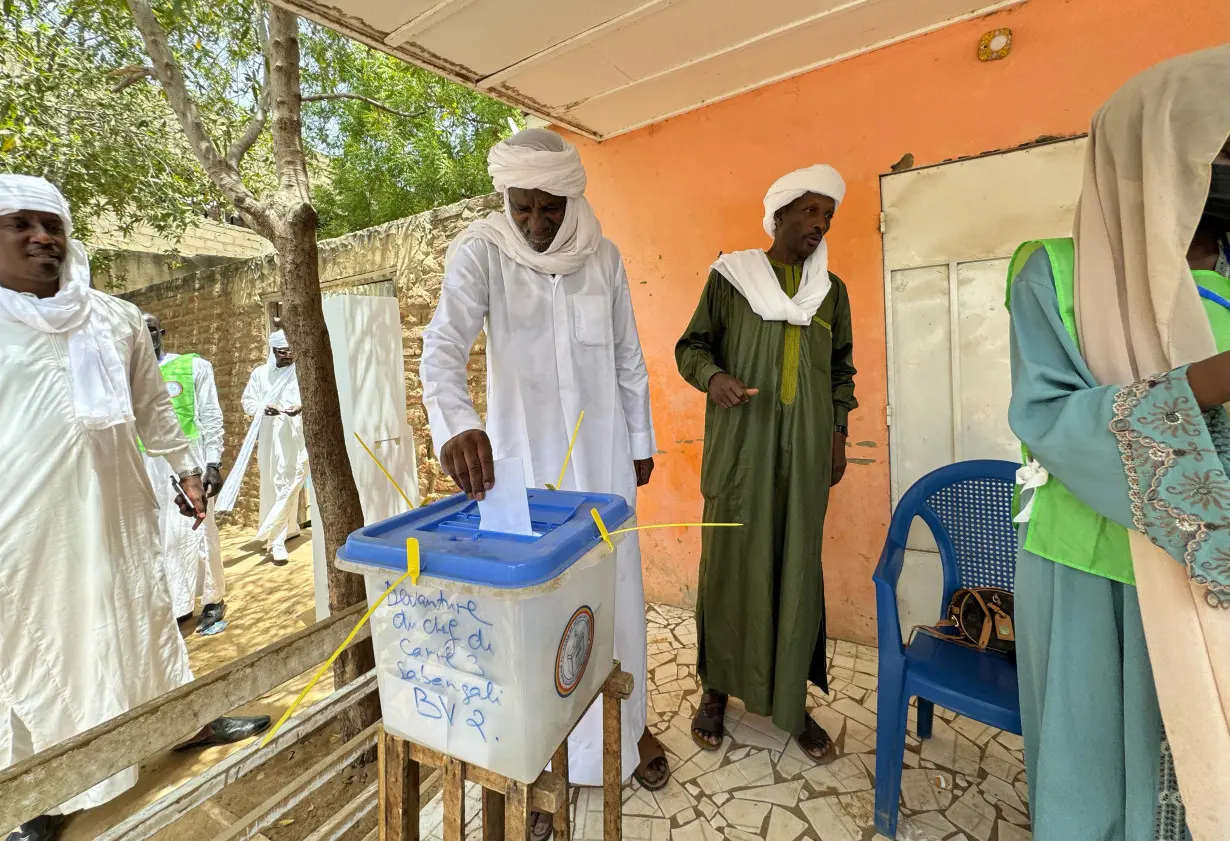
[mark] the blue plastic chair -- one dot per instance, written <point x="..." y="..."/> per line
<point x="968" y="507"/>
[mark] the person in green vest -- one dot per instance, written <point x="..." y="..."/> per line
<point x="771" y="344"/>
<point x="1120" y="369"/>
<point x="191" y="559"/>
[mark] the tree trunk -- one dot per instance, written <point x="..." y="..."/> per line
<point x="288" y="220"/>
<point x="337" y="498"/>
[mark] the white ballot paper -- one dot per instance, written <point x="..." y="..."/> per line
<point x="506" y="507"/>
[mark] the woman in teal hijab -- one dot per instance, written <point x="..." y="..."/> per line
<point x="1118" y="379"/>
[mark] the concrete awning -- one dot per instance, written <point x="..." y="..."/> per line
<point x="606" y="67"/>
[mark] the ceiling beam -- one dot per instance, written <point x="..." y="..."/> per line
<point x="576" y="41"/>
<point x="441" y="11"/>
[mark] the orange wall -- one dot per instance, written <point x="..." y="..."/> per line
<point x="673" y="195"/>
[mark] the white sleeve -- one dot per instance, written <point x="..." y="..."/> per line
<point x="630" y="369"/>
<point x="208" y="410"/>
<point x="253" y="392"/>
<point x="156" y="421"/>
<point x="447" y="341"/>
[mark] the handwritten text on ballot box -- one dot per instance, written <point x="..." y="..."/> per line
<point x="495" y="654"/>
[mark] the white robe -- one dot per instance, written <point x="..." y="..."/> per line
<point x="86" y="630"/>
<point x="191" y="559"/>
<point x="281" y="453"/>
<point x="556" y="345"/>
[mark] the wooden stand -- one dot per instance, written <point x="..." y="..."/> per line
<point x="507" y="804"/>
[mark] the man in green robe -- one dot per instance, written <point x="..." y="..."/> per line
<point x="771" y="344"/>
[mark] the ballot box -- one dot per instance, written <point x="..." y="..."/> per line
<point x="497" y="651"/>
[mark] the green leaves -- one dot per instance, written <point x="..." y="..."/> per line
<point x="79" y="105"/>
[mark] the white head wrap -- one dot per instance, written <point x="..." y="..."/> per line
<point x="750" y="271"/>
<point x="102" y="396"/>
<point x="537" y="159"/>
<point x="820" y="179"/>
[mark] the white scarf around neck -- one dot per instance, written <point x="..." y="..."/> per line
<point x="98" y="375"/>
<point x="751" y="273"/>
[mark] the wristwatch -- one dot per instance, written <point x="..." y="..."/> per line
<point x="196" y="471"/>
<point x="842" y="428"/>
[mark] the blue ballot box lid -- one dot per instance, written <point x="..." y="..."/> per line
<point x="451" y="546"/>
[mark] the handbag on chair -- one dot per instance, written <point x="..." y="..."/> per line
<point x="978" y="618"/>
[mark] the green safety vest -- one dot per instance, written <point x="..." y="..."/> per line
<point x="1063" y="529"/>
<point x="177" y="374"/>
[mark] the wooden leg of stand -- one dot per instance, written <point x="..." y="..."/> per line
<point x="517" y="812"/>
<point x="399" y="790"/>
<point x="612" y="767"/>
<point x="563" y="815"/>
<point x="454" y="800"/>
<point x="493" y="815"/>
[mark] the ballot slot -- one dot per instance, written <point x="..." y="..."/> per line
<point x="453" y="545"/>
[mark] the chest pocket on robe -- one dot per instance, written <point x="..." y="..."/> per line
<point x="591" y="320"/>
<point x="819" y="334"/>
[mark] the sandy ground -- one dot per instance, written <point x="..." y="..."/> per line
<point x="264" y="603"/>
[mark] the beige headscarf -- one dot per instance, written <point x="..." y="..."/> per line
<point x="1138" y="314"/>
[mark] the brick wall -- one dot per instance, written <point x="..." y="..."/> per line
<point x="220" y="313"/>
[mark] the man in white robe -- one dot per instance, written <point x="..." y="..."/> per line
<point x="561" y="339"/>
<point x="272" y="400"/>
<point x="87" y="631"/>
<point x="192" y="558"/>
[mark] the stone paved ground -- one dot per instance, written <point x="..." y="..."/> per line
<point x="966" y="783"/>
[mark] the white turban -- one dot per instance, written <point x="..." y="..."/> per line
<point x="752" y="275"/>
<point x="277" y="339"/>
<point x="820" y="179"/>
<point x="537" y="159"/>
<point x="98" y="375"/>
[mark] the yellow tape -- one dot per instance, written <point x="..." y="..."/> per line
<point x="386" y="473"/>
<point x="412" y="572"/>
<point x="607" y="535"/>
<point x="568" y="457"/>
<point x="680" y="526"/>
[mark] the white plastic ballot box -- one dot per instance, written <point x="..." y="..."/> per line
<point x="495" y="654"/>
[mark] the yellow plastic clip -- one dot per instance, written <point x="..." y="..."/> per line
<point x="413" y="564"/>
<point x="606" y="535"/>
<point x="412" y="572"/>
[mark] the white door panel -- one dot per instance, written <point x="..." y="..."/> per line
<point x="949" y="232"/>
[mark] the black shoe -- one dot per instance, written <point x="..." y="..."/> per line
<point x="211" y="614"/>
<point x="42" y="828"/>
<point x="229" y="730"/>
<point x="182" y="619"/>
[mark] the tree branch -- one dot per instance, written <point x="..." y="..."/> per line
<point x="260" y="116"/>
<point x="129" y="76"/>
<point x="166" y="69"/>
<point x="327" y="97"/>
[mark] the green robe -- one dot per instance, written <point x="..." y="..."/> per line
<point x="767" y="464"/>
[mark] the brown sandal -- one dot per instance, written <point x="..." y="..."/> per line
<point x="654" y="772"/>
<point x="710" y="721"/>
<point x="817" y="743"/>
